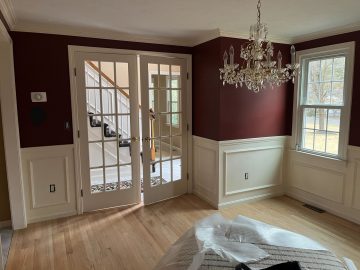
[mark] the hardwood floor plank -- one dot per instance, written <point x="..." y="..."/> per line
<point x="137" y="237"/>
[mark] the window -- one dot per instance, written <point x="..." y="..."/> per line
<point x="324" y="100"/>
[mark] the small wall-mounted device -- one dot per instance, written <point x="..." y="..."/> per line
<point x="52" y="188"/>
<point x="38" y="97"/>
<point x="246" y="176"/>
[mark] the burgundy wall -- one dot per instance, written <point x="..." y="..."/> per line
<point x="354" y="135"/>
<point x="225" y="112"/>
<point x="206" y="95"/>
<point x="41" y="64"/>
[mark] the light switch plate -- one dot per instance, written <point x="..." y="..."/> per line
<point x="38" y="97"/>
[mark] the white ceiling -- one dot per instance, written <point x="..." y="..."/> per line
<point x="185" y="21"/>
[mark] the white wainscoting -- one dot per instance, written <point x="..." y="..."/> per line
<point x="45" y="166"/>
<point x="206" y="170"/>
<point x="220" y="167"/>
<point x="333" y="185"/>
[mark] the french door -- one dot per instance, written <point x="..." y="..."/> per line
<point x="108" y="113"/>
<point x="163" y="91"/>
<point x="118" y="159"/>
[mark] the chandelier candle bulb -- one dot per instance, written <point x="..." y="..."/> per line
<point x="258" y="67"/>
<point x="279" y="56"/>
<point x="293" y="53"/>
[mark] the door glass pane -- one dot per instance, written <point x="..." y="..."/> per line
<point x="124" y="152"/>
<point x="164" y="125"/>
<point x="123" y="101"/>
<point x="153" y="102"/>
<point x="165" y="148"/>
<point x="95" y="155"/>
<point x="108" y="101"/>
<point x="109" y="129"/>
<point x="164" y="101"/>
<point x="155" y="178"/>
<point x="175" y="76"/>
<point x="176" y="146"/>
<point x="124" y="128"/>
<point x="107" y="74"/>
<point x="125" y="177"/>
<point x="91" y="74"/>
<point x="110" y="153"/>
<point x="122" y="74"/>
<point x="153" y="70"/>
<point x="175" y="101"/>
<point x="111" y="177"/>
<point x="166" y="171"/>
<point x="94" y="128"/>
<point x="176" y="124"/>
<point x="164" y="78"/>
<point x="93" y="101"/>
<point x="96" y="180"/>
<point x="176" y="168"/>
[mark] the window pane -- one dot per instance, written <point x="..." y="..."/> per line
<point x="95" y="155"/>
<point x="125" y="177"/>
<point x="122" y="74"/>
<point x="166" y="171"/>
<point x="176" y="163"/>
<point x="326" y="69"/>
<point x="321" y="119"/>
<point x="337" y="93"/>
<point x="334" y="120"/>
<point x="97" y="180"/>
<point x="314" y="71"/>
<point x="339" y="68"/>
<point x="111" y="176"/>
<point x="308" y="139"/>
<point x="309" y="118"/>
<point x="107" y="74"/>
<point x="332" y="143"/>
<point x="320" y="140"/>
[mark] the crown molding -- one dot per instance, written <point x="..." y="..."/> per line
<point x="245" y="35"/>
<point x="7" y="9"/>
<point x="33" y="27"/>
<point x="328" y="33"/>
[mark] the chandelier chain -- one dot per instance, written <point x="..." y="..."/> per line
<point x="258" y="12"/>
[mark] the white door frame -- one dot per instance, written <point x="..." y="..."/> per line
<point x="11" y="132"/>
<point x="72" y="50"/>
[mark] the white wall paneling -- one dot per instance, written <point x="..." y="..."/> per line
<point x="333" y="185"/>
<point x="45" y="166"/>
<point x="220" y="167"/>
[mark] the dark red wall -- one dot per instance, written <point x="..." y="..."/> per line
<point x="354" y="135"/>
<point x="206" y="95"/>
<point x="225" y="112"/>
<point x="41" y="64"/>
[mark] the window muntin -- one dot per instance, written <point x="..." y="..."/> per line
<point x="322" y="104"/>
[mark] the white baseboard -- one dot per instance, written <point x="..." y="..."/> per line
<point x="52" y="216"/>
<point x="5" y="224"/>
<point x="251" y="199"/>
<point x="205" y="198"/>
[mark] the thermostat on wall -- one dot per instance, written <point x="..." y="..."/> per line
<point x="38" y="97"/>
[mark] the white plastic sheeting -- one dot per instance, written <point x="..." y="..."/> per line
<point x="234" y="240"/>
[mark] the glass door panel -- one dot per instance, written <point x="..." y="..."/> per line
<point x="108" y="115"/>
<point x="163" y="124"/>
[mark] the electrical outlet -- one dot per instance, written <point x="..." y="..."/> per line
<point x="52" y="188"/>
<point x="246" y="176"/>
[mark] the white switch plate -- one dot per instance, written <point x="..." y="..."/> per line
<point x="38" y="97"/>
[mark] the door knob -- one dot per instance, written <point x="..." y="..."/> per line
<point x="135" y="139"/>
<point x="147" y="139"/>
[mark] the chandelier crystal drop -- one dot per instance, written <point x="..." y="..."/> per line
<point x="258" y="67"/>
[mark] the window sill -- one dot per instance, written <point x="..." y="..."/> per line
<point x="316" y="157"/>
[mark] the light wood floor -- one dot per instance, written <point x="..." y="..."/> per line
<point x="137" y="237"/>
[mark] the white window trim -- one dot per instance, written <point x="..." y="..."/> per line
<point x="347" y="49"/>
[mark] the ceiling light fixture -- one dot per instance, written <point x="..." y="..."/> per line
<point x="258" y="68"/>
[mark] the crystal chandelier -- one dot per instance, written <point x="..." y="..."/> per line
<point x="258" y="68"/>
